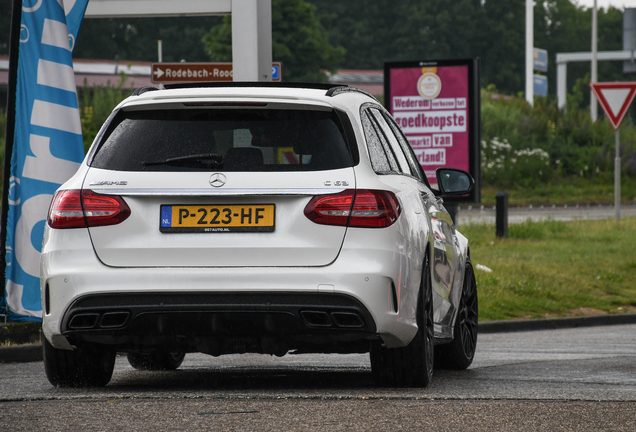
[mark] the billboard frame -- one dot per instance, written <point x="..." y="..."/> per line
<point x="474" y="113"/>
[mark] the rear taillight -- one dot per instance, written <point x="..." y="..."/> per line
<point x="81" y="208"/>
<point x="361" y="208"/>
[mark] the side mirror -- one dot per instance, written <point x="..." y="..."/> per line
<point x="452" y="181"/>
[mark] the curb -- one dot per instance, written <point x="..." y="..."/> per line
<point x="555" y="324"/>
<point x="33" y="352"/>
<point x="21" y="353"/>
<point x="20" y="332"/>
<point x="27" y="337"/>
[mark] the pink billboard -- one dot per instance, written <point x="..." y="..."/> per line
<point x="434" y="104"/>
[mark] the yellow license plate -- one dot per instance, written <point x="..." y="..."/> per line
<point x="217" y="218"/>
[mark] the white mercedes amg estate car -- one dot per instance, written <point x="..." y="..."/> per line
<point x="255" y="218"/>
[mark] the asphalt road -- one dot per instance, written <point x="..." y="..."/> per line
<point x="574" y="379"/>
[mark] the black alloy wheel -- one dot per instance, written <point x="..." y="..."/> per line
<point x="88" y="365"/>
<point x="459" y="354"/>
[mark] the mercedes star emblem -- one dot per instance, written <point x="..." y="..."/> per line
<point x="217" y="180"/>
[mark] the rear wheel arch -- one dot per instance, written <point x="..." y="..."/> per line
<point x="412" y="365"/>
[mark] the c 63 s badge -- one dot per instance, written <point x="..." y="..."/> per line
<point x="109" y="183"/>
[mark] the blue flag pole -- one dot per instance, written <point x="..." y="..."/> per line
<point x="14" y="44"/>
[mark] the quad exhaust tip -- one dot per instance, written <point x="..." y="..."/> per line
<point x="333" y="319"/>
<point x="109" y="320"/>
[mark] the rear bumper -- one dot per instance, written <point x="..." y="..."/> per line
<point x="366" y="294"/>
<point x="207" y="322"/>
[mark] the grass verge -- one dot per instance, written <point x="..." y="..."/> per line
<point x="555" y="269"/>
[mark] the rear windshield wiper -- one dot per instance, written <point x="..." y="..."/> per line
<point x="205" y="159"/>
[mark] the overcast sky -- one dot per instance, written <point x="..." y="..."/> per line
<point x="605" y="3"/>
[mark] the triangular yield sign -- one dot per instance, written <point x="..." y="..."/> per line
<point x="615" y="98"/>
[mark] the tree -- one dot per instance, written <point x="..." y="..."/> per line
<point x="393" y="30"/>
<point x="560" y="27"/>
<point x="298" y="41"/>
<point x="136" y="38"/>
<point x="6" y="8"/>
<point x="372" y="31"/>
<point x="493" y="30"/>
<point x="503" y="53"/>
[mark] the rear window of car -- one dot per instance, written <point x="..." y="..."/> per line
<point x="224" y="140"/>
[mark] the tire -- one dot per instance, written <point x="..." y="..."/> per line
<point x="459" y="354"/>
<point x="88" y="365"/>
<point x="412" y="365"/>
<point x="155" y="361"/>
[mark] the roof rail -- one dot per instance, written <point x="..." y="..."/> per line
<point x="335" y="91"/>
<point x="317" y="86"/>
<point x="142" y="90"/>
<point x="332" y="89"/>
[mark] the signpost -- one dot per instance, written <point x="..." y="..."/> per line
<point x="540" y="65"/>
<point x="540" y="85"/>
<point x="167" y="73"/>
<point x="615" y="99"/>
<point x="540" y="62"/>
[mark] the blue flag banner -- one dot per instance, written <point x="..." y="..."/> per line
<point x="47" y="147"/>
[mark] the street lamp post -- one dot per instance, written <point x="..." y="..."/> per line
<point x="594" y="72"/>
<point x="530" y="51"/>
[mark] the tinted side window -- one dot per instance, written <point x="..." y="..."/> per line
<point x="391" y="141"/>
<point x="416" y="168"/>
<point x="206" y="139"/>
<point x="379" y="160"/>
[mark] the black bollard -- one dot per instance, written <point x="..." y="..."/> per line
<point x="502" y="214"/>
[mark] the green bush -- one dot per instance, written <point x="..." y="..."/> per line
<point x="96" y="104"/>
<point x="524" y="146"/>
<point x="501" y="165"/>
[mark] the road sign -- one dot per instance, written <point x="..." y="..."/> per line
<point x="540" y="85"/>
<point x="276" y="69"/>
<point x="191" y="72"/>
<point x="167" y="73"/>
<point x="615" y="98"/>
<point x="540" y="60"/>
